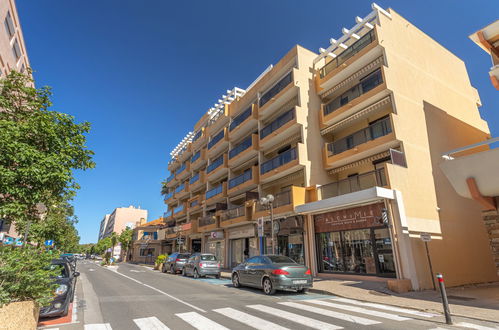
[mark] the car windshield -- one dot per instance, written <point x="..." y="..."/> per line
<point x="208" y="258"/>
<point x="183" y="256"/>
<point x="281" y="260"/>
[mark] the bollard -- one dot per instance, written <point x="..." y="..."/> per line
<point x="445" y="302"/>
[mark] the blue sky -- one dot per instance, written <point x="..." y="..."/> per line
<point x="142" y="72"/>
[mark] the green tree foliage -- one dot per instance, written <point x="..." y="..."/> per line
<point x="39" y="150"/>
<point x="25" y="274"/>
<point x="103" y="245"/>
<point x="125" y="239"/>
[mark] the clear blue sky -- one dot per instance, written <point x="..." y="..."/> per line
<point x="142" y="72"/>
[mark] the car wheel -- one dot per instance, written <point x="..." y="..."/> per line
<point x="217" y="276"/>
<point x="302" y="290"/>
<point x="268" y="287"/>
<point x="196" y="274"/>
<point x="183" y="272"/>
<point x="235" y="281"/>
<point x="172" y="270"/>
<point x="163" y="269"/>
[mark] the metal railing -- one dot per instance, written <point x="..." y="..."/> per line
<point x="280" y="199"/>
<point x="234" y="212"/>
<point x="285" y="81"/>
<point x="375" y="130"/>
<point x="365" y="85"/>
<point x="194" y="178"/>
<point x="277" y="123"/>
<point x="278" y="161"/>
<point x="215" y="191"/>
<point x="215" y="164"/>
<point x="354" y="183"/>
<point x="356" y="47"/>
<point x="207" y="220"/>
<point x="180" y="188"/>
<point x="168" y="196"/>
<point x="195" y="156"/>
<point x="245" y="144"/>
<point x="240" y="179"/>
<point x="240" y="118"/>
<point x="216" y="138"/>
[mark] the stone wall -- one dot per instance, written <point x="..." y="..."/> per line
<point x="491" y="220"/>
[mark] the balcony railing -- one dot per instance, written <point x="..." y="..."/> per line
<point x="215" y="164"/>
<point x="277" y="123"/>
<point x="347" y="53"/>
<point x="194" y="178"/>
<point x="178" y="209"/>
<point x="240" y="179"/>
<point x="215" y="191"/>
<point x="180" y="169"/>
<point x="280" y="199"/>
<point x="354" y="183"/>
<point x="276" y="89"/>
<point x="245" y="144"/>
<point x="170" y="231"/>
<point x="168" y="196"/>
<point x="197" y="135"/>
<point x="180" y="188"/>
<point x="166" y="214"/>
<point x="170" y="178"/>
<point x="234" y="212"/>
<point x="207" y="220"/>
<point x="366" y="84"/>
<point x="377" y="129"/>
<point x="240" y="118"/>
<point x="216" y="138"/>
<point x="194" y="203"/>
<point x="278" y="161"/>
<point x="195" y="156"/>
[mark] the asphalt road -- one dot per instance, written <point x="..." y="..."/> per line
<point x="135" y="297"/>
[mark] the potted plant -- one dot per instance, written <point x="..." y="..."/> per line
<point x="160" y="261"/>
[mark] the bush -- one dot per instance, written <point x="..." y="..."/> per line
<point x="160" y="259"/>
<point x="25" y="274"/>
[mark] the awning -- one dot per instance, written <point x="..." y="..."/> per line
<point x="369" y="159"/>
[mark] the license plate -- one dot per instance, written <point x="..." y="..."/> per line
<point x="300" y="282"/>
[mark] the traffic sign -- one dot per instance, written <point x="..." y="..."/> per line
<point x="425" y="237"/>
<point x="260" y="227"/>
<point x="49" y="242"/>
<point x="180" y="241"/>
<point x="277" y="226"/>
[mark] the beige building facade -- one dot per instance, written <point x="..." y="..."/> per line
<point x="121" y="218"/>
<point x="13" y="54"/>
<point x="348" y="142"/>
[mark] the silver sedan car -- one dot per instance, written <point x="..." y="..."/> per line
<point x="271" y="273"/>
<point x="201" y="264"/>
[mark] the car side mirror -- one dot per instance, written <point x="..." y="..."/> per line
<point x="76" y="274"/>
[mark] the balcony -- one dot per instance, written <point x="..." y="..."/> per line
<point x="197" y="181"/>
<point x="355" y="57"/>
<point x="218" y="142"/>
<point x="179" y="211"/>
<point x="217" y="168"/>
<point x="355" y="183"/>
<point x="185" y="153"/>
<point x="373" y="139"/>
<point x="168" y="197"/>
<point x="199" y="139"/>
<point x="183" y="171"/>
<point x="282" y="164"/>
<point x="244" y="123"/>
<point x="368" y="90"/>
<point x="245" y="181"/>
<point x="198" y="159"/>
<point x="247" y="149"/>
<point x="219" y="121"/>
<point x="170" y="233"/>
<point x="284" y="202"/>
<point x="216" y="194"/>
<point x="235" y="215"/>
<point x="182" y="190"/>
<point x="207" y="223"/>
<point x="195" y="204"/>
<point x="279" y="129"/>
<point x="277" y="95"/>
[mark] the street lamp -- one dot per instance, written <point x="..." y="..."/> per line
<point x="269" y="202"/>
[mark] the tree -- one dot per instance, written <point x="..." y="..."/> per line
<point x="114" y="240"/>
<point x="125" y="239"/>
<point x="103" y="245"/>
<point x="39" y="150"/>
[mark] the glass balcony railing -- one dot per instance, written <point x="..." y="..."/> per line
<point x="215" y="164"/>
<point x="354" y="183"/>
<point x="366" y="84"/>
<point x="276" y="89"/>
<point x="240" y="179"/>
<point x="245" y="144"/>
<point x="278" y="161"/>
<point x="234" y="212"/>
<point x="179" y="188"/>
<point x="178" y="209"/>
<point x="377" y="129"/>
<point x="194" y="203"/>
<point x="215" y="191"/>
<point x="277" y="123"/>
<point x="239" y="119"/>
<point x="207" y="220"/>
<point x="347" y="53"/>
<point x="168" y="196"/>
<point x="170" y="178"/>
<point x="280" y="199"/>
<point x="195" y="178"/>
<point x="195" y="156"/>
<point x="197" y="135"/>
<point x="166" y="214"/>
<point x="216" y="138"/>
<point x="180" y="169"/>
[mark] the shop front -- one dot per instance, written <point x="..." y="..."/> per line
<point x="243" y="244"/>
<point x="289" y="238"/>
<point x="354" y="241"/>
<point x="215" y="244"/>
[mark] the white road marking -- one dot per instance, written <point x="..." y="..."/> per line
<point x="150" y="323"/>
<point x="91" y="270"/>
<point x="98" y="326"/>
<point x="473" y="326"/>
<point x="200" y="322"/>
<point x="360" y="310"/>
<point x="303" y="320"/>
<point x="75" y="309"/>
<point x="341" y="316"/>
<point x="137" y="271"/>
<point x="385" y="307"/>
<point x="158" y="290"/>
<point x="249" y="320"/>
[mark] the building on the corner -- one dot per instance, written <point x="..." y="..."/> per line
<point x="349" y="143"/>
<point x="148" y="241"/>
<point x="121" y="218"/>
<point x="103" y="226"/>
<point x="487" y="38"/>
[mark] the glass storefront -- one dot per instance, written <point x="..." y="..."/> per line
<point x="289" y="239"/>
<point x="218" y="249"/>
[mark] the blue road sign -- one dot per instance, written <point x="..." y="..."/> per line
<point x="49" y="242"/>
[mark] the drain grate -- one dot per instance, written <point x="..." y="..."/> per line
<point x="460" y="298"/>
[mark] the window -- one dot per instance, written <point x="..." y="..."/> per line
<point x="208" y="257"/>
<point x="281" y="260"/>
<point x="252" y="260"/>
<point x="16" y="50"/>
<point x="146" y="252"/>
<point x="9" y="25"/>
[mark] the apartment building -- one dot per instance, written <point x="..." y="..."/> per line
<point x="121" y="218"/>
<point x="13" y="54"/>
<point x="487" y="38"/>
<point x="347" y="144"/>
<point x="103" y="226"/>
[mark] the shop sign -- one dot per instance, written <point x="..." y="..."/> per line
<point x="242" y="232"/>
<point x="217" y="234"/>
<point x="352" y="218"/>
<point x="425" y="237"/>
<point x="186" y="226"/>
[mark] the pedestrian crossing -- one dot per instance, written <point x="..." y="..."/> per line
<point x="325" y="314"/>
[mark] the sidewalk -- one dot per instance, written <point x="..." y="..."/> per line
<point x="477" y="301"/>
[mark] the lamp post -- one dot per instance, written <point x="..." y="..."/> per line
<point x="269" y="202"/>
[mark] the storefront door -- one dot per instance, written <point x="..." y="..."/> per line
<point x="237" y="252"/>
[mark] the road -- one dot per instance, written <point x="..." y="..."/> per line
<point x="136" y="297"/>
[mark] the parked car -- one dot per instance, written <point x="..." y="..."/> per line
<point x="175" y="262"/>
<point x="271" y="273"/>
<point x="64" y="293"/>
<point x="71" y="258"/>
<point x="201" y="264"/>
